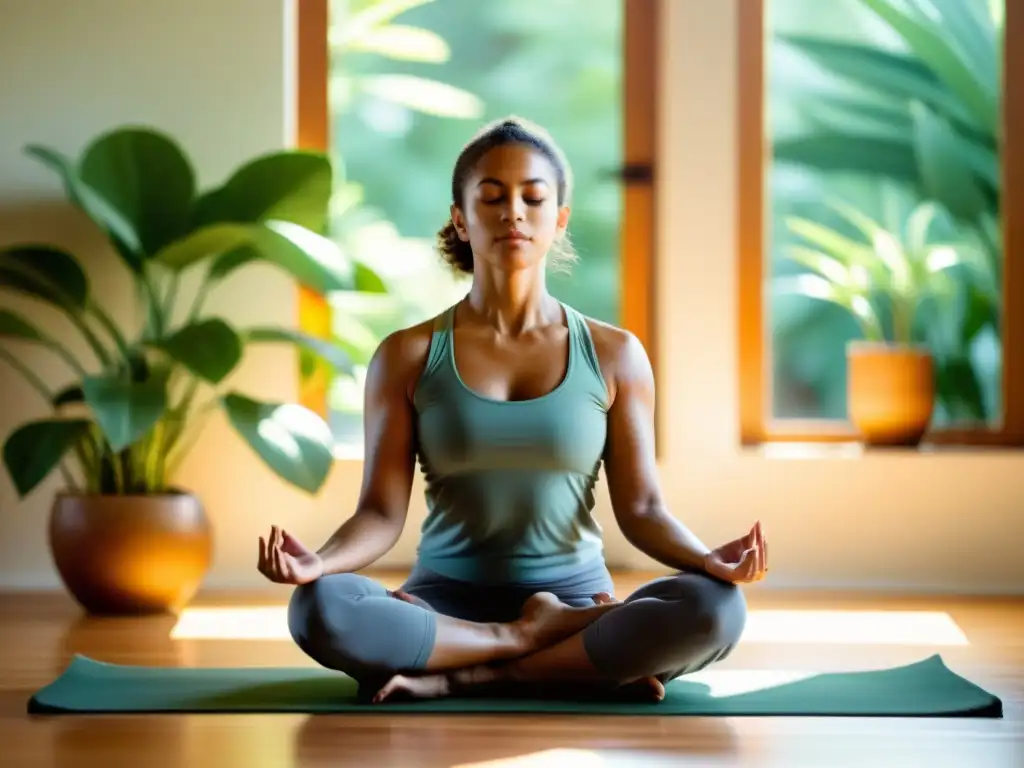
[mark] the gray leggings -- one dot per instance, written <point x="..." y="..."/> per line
<point x="669" y="627"/>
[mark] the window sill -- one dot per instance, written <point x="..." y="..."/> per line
<point x="853" y="449"/>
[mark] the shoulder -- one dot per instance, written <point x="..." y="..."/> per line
<point x="400" y="358"/>
<point x="624" y="361"/>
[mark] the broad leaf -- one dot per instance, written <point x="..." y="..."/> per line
<point x="925" y="38"/>
<point x="893" y="74"/>
<point x="14" y="326"/>
<point x="47" y="273"/>
<point x="147" y="177"/>
<point x="367" y="280"/>
<point x="422" y="95"/>
<point x="290" y="439"/>
<point x="293" y="186"/>
<point x="331" y="353"/>
<point x="946" y="170"/>
<point x="33" y="450"/>
<point x="231" y="260"/>
<point x="893" y="158"/>
<point x="71" y="394"/>
<point x="94" y="204"/>
<point x="125" y="410"/>
<point x="208" y="348"/>
<point x="212" y="240"/>
<point x="370" y="17"/>
<point x="402" y="43"/>
<point x="312" y="260"/>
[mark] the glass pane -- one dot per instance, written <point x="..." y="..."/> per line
<point x="408" y="91"/>
<point x="884" y="196"/>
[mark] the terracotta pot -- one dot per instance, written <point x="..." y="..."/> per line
<point x="130" y="554"/>
<point x="890" y="392"/>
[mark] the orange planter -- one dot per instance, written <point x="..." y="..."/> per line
<point x="130" y="554"/>
<point x="890" y="392"/>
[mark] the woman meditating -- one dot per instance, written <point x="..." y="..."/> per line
<point x="511" y="401"/>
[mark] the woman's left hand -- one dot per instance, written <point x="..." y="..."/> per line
<point x="741" y="561"/>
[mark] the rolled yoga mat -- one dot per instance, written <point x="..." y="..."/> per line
<point x="927" y="688"/>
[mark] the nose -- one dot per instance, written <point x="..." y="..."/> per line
<point x="515" y="210"/>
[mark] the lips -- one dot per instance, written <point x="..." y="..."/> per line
<point x="514" y="235"/>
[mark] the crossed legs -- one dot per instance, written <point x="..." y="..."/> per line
<point x="669" y="627"/>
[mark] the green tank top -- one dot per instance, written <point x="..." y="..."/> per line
<point x="510" y="485"/>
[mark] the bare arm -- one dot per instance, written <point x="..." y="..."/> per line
<point x="390" y="456"/>
<point x="630" y="464"/>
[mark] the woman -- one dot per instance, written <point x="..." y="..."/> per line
<point x="512" y="400"/>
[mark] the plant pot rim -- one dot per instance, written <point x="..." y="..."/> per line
<point x="170" y="493"/>
<point x="860" y="345"/>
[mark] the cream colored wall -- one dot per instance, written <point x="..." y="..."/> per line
<point x="932" y="522"/>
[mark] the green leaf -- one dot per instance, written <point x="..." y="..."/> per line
<point x="946" y="170"/>
<point x="367" y="280"/>
<point x="292" y="186"/>
<point x="400" y="42"/>
<point x="209" y="348"/>
<point x="94" y="204"/>
<point x="374" y="15"/>
<point x="331" y="353"/>
<point x="71" y="394"/>
<point x="47" y="273"/>
<point x="212" y="240"/>
<point x="145" y="176"/>
<point x="925" y="39"/>
<point x="291" y="440"/>
<point x="231" y="260"/>
<point x="34" y="449"/>
<point x="893" y="74"/>
<point x="892" y="158"/>
<point x="125" y="410"/>
<point x="14" y="326"/>
<point x="422" y="95"/>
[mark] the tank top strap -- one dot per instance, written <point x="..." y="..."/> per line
<point x="582" y="341"/>
<point x="440" y="339"/>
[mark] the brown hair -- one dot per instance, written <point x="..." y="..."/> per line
<point x="509" y="130"/>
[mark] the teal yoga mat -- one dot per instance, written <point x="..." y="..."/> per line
<point x="927" y="688"/>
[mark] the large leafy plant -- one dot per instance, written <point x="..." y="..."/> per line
<point x="926" y="116"/>
<point x="131" y="412"/>
<point x="883" y="277"/>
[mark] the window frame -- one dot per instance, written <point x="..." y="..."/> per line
<point x="638" y="232"/>
<point x="756" y="425"/>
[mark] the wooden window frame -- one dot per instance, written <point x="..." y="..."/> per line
<point x="642" y="22"/>
<point x="756" y="425"/>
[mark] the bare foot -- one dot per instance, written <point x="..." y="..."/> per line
<point x="420" y="687"/>
<point x="546" y="620"/>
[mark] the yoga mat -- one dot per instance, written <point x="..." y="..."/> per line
<point x="927" y="688"/>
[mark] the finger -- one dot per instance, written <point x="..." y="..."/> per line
<point x="748" y="564"/>
<point x="261" y="562"/>
<point x="279" y="566"/>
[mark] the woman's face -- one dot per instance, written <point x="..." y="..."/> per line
<point x="510" y="212"/>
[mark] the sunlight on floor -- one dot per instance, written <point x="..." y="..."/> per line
<point x="934" y="628"/>
<point x="550" y="758"/>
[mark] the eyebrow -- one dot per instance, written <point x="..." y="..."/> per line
<point x="490" y="180"/>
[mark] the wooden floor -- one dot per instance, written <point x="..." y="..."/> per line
<point x="38" y="633"/>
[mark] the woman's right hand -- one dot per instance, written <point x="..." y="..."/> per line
<point x="285" y="560"/>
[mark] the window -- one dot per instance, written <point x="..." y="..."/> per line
<point x="392" y="90"/>
<point x="881" y="188"/>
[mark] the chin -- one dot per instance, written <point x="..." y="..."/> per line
<point x="513" y="259"/>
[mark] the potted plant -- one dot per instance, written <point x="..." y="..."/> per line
<point x="882" y="278"/>
<point x="123" y="537"/>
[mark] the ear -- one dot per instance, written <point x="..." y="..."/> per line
<point x="563" y="219"/>
<point x="460" y="224"/>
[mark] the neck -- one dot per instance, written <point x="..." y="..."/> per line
<point x="512" y="302"/>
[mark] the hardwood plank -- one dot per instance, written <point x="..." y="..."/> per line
<point x="40" y="631"/>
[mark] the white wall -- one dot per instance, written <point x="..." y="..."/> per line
<point x="950" y="521"/>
